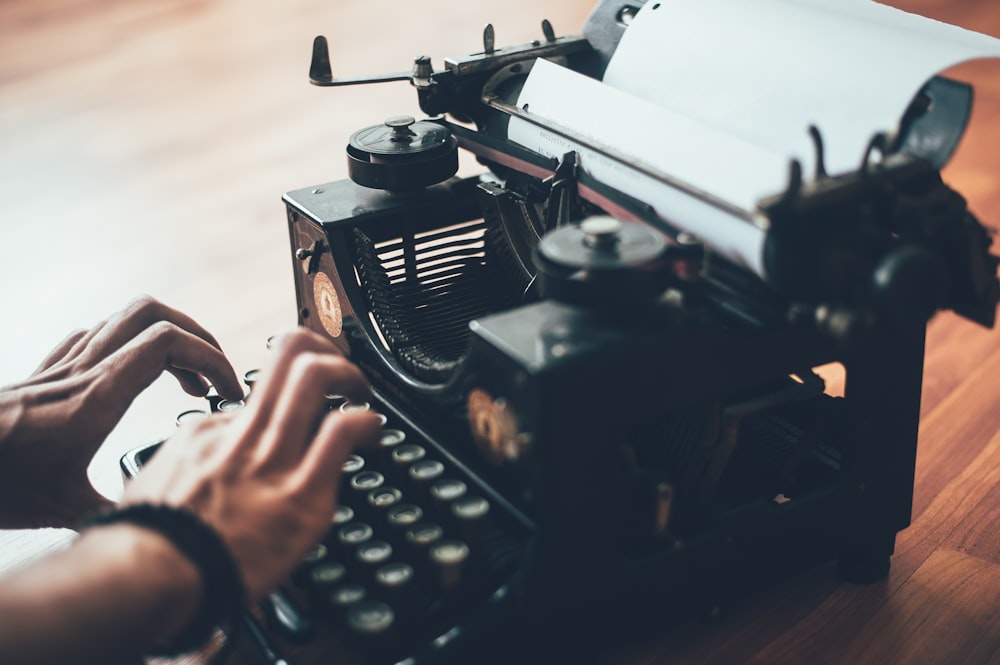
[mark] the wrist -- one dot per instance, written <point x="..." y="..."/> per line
<point x="171" y="586"/>
<point x="222" y="593"/>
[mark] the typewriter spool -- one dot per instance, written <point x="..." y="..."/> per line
<point x="402" y="154"/>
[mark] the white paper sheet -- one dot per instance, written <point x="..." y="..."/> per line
<point x="706" y="159"/>
<point x="765" y="70"/>
<point x="720" y="94"/>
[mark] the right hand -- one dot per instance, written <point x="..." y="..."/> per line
<point x="266" y="477"/>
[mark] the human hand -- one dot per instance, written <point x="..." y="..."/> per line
<point x="52" y="424"/>
<point x="266" y="477"/>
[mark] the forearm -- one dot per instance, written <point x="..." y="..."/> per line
<point x="108" y="598"/>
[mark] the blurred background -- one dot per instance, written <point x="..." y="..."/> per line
<point x="145" y="146"/>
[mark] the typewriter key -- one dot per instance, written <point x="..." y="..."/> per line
<point x="402" y="457"/>
<point x="470" y="513"/>
<point x="342" y="514"/>
<point x="424" y="473"/>
<point x="367" y="480"/>
<point x="384" y="498"/>
<point x="317" y="553"/>
<point x="404" y="515"/>
<point x="421" y="536"/>
<point x="382" y="418"/>
<point x="251" y="377"/>
<point x="392" y="438"/>
<point x="370" y="618"/>
<point x="449" y="558"/>
<point x="394" y="575"/>
<point x="353" y="464"/>
<point x="327" y="573"/>
<point x="230" y="405"/>
<point x="373" y="553"/>
<point x="355" y="533"/>
<point x="446" y="490"/>
<point x="346" y="595"/>
<point x="394" y="581"/>
<point x="355" y="407"/>
<point x="301" y="573"/>
<point x="190" y="416"/>
<point x="334" y="400"/>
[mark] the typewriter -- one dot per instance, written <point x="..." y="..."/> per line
<point x="593" y="414"/>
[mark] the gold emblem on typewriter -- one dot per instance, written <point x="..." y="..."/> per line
<point x="494" y="427"/>
<point x="328" y="305"/>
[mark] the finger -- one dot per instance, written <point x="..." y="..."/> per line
<point x="296" y="410"/>
<point x="337" y="437"/>
<point x="191" y="382"/>
<point x="131" y="321"/>
<point x="131" y="369"/>
<point x="287" y="349"/>
<point x="62" y="350"/>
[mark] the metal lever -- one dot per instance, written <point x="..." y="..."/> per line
<point x="321" y="74"/>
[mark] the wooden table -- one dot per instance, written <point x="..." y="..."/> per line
<point x="144" y="147"/>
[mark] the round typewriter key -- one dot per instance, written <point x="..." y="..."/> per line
<point x="394" y="575"/>
<point x="446" y="490"/>
<point x="301" y="573"/>
<point x="355" y="407"/>
<point x="346" y="595"/>
<point x="404" y="515"/>
<point x="374" y="553"/>
<point x="408" y="453"/>
<point x="392" y="438"/>
<point x="317" y="553"/>
<point x="396" y="582"/>
<point x="355" y="533"/>
<point x="334" y="400"/>
<point x="251" y="377"/>
<point x="353" y="464"/>
<point x="422" y="535"/>
<point x="426" y="471"/>
<point x="470" y="507"/>
<point x="190" y="416"/>
<point x="470" y="513"/>
<point x="383" y="498"/>
<point x="230" y="405"/>
<point x="382" y="418"/>
<point x="449" y="558"/>
<point x="370" y="618"/>
<point x="342" y="514"/>
<point x="327" y="573"/>
<point x="367" y="480"/>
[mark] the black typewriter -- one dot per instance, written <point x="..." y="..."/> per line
<point x="591" y="417"/>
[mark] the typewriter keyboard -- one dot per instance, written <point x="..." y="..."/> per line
<point x="417" y="556"/>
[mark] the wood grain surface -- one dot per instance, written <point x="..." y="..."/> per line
<point x="144" y="148"/>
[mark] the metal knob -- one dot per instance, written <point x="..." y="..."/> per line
<point x="400" y="126"/>
<point x="601" y="232"/>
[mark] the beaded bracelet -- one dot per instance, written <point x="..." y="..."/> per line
<point x="223" y="595"/>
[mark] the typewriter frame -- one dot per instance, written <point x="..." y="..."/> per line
<point x="544" y="361"/>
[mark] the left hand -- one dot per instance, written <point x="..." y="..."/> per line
<point x="52" y="424"/>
